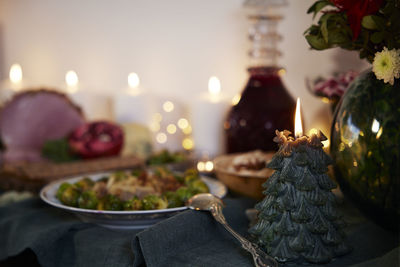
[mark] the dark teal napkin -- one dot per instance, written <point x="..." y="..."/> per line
<point x="194" y="238"/>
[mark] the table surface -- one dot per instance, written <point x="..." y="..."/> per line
<point x="35" y="233"/>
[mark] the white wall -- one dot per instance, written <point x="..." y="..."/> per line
<point x="174" y="46"/>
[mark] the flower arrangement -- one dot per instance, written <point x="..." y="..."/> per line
<point x="332" y="88"/>
<point x="371" y="27"/>
<point x="365" y="131"/>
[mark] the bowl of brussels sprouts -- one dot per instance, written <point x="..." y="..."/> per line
<point x="129" y="199"/>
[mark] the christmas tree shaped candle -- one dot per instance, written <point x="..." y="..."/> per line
<point x="298" y="220"/>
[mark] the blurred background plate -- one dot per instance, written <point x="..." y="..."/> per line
<point x="121" y="220"/>
<point x="245" y="184"/>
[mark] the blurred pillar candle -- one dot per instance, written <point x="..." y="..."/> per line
<point x="208" y="114"/>
<point x="12" y="85"/>
<point x="132" y="105"/>
<point x="95" y="106"/>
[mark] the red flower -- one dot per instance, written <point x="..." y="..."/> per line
<point x="97" y="139"/>
<point x="334" y="86"/>
<point x="356" y="10"/>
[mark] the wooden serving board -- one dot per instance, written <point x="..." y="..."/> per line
<point x="33" y="176"/>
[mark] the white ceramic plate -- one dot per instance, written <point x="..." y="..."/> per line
<point x="122" y="220"/>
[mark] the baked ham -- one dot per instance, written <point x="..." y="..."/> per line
<point x="33" y="117"/>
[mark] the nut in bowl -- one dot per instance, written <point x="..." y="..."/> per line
<point x="244" y="173"/>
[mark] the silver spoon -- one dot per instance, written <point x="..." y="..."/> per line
<point x="209" y="202"/>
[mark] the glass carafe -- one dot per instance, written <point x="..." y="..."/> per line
<point x="265" y="104"/>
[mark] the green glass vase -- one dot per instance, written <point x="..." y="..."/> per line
<point x="365" y="145"/>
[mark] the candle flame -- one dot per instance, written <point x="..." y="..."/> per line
<point x="209" y="166"/>
<point x="214" y="86"/>
<point x="201" y="166"/>
<point x="71" y="78"/>
<point x="133" y="80"/>
<point x="298" y="129"/>
<point x="15" y="73"/>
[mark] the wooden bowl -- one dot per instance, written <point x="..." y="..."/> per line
<point x="247" y="184"/>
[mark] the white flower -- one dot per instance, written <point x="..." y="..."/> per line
<point x="386" y="65"/>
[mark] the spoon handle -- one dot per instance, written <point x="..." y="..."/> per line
<point x="260" y="258"/>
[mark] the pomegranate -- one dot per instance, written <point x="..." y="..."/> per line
<point x="97" y="139"/>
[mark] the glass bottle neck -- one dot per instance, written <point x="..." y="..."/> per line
<point x="265" y="71"/>
<point x="264" y="41"/>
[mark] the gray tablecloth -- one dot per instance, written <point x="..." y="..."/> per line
<point x="190" y="238"/>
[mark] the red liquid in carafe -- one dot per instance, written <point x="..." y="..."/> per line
<point x="265" y="106"/>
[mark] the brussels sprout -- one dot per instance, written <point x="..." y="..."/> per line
<point x="112" y="202"/>
<point x="88" y="200"/>
<point x="184" y="193"/>
<point x="192" y="172"/>
<point x="84" y="184"/>
<point x="61" y="189"/>
<point x="173" y="199"/>
<point x="133" y="204"/>
<point x="178" y="157"/>
<point x="190" y="176"/>
<point x="70" y="196"/>
<point x="179" y="178"/>
<point x="152" y="202"/>
<point x="198" y="186"/>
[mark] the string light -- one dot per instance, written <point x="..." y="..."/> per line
<point x="187" y="143"/>
<point x="183" y="123"/>
<point x="187" y="130"/>
<point x="161" y="138"/>
<point x="168" y="106"/>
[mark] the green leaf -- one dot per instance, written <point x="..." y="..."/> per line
<point x="369" y="23"/>
<point x="58" y="151"/>
<point x="318" y="6"/>
<point x="377" y="37"/>
<point x="337" y="37"/>
<point x="379" y="22"/>
<point x="324" y="25"/>
<point x="313" y="30"/>
<point x="317" y="42"/>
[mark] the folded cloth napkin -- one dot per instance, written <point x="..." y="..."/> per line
<point x="194" y="238"/>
